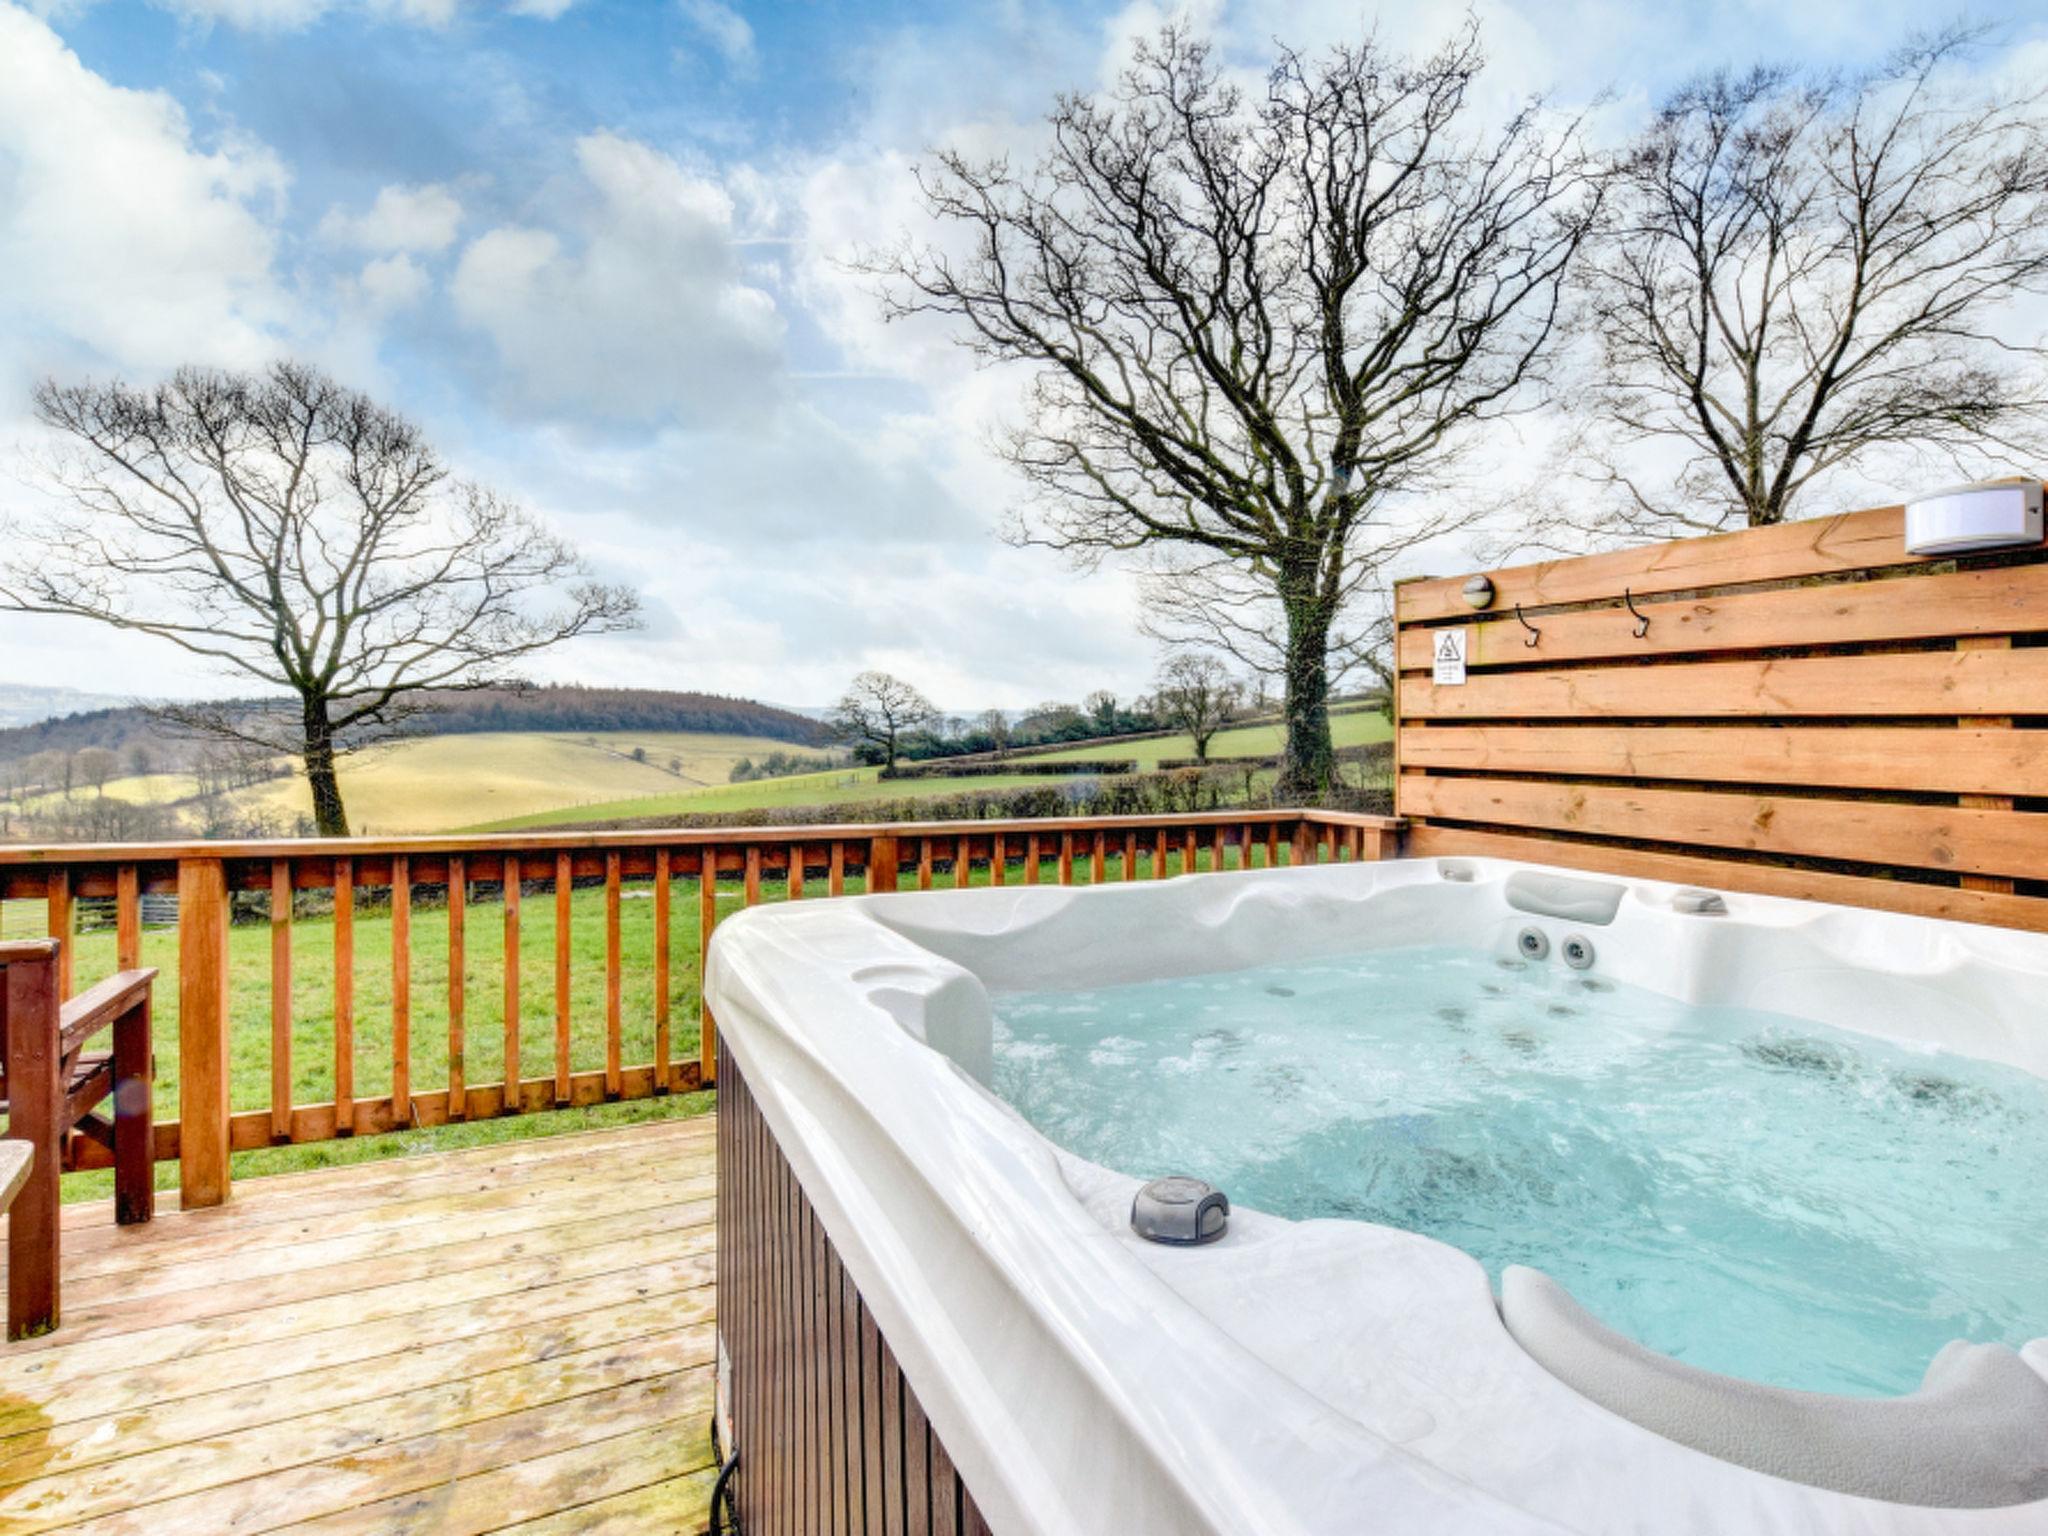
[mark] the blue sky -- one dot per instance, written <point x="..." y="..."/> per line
<point x="595" y="246"/>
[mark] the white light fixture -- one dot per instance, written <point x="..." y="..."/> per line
<point x="1998" y="514"/>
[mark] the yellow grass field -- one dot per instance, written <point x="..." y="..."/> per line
<point x="442" y="782"/>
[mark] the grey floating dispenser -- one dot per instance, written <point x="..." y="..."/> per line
<point x="1180" y="1211"/>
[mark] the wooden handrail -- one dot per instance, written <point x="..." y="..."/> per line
<point x="657" y="837"/>
<point x="883" y="856"/>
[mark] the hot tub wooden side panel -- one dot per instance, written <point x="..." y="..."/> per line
<point x="832" y="1439"/>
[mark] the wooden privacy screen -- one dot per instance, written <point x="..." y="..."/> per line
<point x="1808" y="711"/>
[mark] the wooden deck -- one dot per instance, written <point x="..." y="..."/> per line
<point x="510" y="1339"/>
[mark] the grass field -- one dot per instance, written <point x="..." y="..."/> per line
<point x="1353" y="728"/>
<point x="851" y="785"/>
<point x="136" y="789"/>
<point x="836" y="787"/>
<point x="483" y="1054"/>
<point x="524" y="780"/>
<point x="437" y="783"/>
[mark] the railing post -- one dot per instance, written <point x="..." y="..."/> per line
<point x="35" y="1092"/>
<point x="61" y="925"/>
<point x="707" y="919"/>
<point x="202" y="1032"/>
<point x="882" y="863"/>
<point x="1304" y="849"/>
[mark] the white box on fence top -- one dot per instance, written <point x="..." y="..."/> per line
<point x="1997" y="515"/>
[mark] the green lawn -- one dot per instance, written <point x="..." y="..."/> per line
<point x="313" y="1011"/>
<point x="1352" y="728"/>
<point x="853" y="785"/>
<point x="838" y="787"/>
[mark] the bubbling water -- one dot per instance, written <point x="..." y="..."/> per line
<point x="1752" y="1193"/>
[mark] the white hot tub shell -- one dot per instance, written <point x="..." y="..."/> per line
<point x="1314" y="1376"/>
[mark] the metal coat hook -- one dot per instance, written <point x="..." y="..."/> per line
<point x="1642" y="624"/>
<point x="1535" y="634"/>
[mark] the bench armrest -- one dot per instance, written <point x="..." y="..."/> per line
<point x="98" y="1006"/>
<point x="16" y="1157"/>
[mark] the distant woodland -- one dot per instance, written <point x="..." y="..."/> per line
<point x="565" y="707"/>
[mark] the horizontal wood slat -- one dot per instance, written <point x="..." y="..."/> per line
<point x="1881" y="742"/>
<point x="1946" y="838"/>
<point x="1989" y="762"/>
<point x="1999" y="601"/>
<point x="1898" y="684"/>
<point x="1823" y="546"/>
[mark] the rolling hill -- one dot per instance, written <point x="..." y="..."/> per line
<point x="853" y="784"/>
<point x="556" y="708"/>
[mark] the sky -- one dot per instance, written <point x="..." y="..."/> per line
<point x="598" y="249"/>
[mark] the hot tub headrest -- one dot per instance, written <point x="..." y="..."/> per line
<point x="1565" y="896"/>
<point x="1974" y="1436"/>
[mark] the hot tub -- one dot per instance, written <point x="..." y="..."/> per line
<point x="1324" y="1372"/>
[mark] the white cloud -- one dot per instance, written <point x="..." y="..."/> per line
<point x="125" y="241"/>
<point x="723" y="27"/>
<point x="293" y="15"/>
<point x="401" y="219"/>
<point x="638" y="308"/>
<point x="251" y="15"/>
<point x="393" y="282"/>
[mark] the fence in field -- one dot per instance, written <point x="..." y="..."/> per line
<point x="443" y="879"/>
<point x="1804" y="710"/>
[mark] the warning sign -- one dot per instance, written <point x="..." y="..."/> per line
<point x="1452" y="646"/>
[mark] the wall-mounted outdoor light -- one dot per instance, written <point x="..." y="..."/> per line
<point x="1479" y="592"/>
<point x="1997" y="514"/>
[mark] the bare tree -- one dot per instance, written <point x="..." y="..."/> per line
<point x="881" y="710"/>
<point x="1101" y="707"/>
<point x="995" y="724"/>
<point x="1194" y="693"/>
<point x="302" y="535"/>
<point x="1255" y="318"/>
<point x="96" y="765"/>
<point x="1192" y="603"/>
<point x="1805" y="276"/>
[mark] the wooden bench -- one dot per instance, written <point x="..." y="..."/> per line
<point x="52" y="1085"/>
<point x="16" y="1158"/>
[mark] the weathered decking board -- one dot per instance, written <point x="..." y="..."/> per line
<point x="514" y="1338"/>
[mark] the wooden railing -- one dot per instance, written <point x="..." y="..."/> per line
<point x="229" y="889"/>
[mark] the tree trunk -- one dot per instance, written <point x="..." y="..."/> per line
<point x="1308" y="762"/>
<point x="329" y="819"/>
